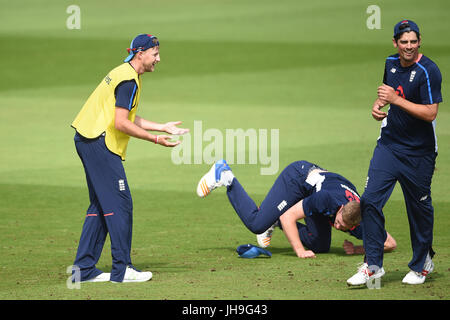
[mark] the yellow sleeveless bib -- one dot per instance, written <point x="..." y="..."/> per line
<point x="98" y="113"/>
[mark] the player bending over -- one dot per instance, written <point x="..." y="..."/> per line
<point x="303" y="190"/>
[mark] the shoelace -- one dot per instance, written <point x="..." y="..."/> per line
<point x="364" y="269"/>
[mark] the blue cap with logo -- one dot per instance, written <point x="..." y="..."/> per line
<point x="141" y="43"/>
<point x="405" y="26"/>
<point x="251" y="251"/>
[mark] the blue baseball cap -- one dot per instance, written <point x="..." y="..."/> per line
<point x="141" y="43"/>
<point x="250" y="251"/>
<point x="405" y="26"/>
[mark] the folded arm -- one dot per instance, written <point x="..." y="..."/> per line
<point x="426" y="112"/>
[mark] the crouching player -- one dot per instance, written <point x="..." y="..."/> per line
<point x="303" y="190"/>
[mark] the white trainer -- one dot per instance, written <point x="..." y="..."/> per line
<point x="132" y="275"/>
<point x="413" y="277"/>
<point x="102" y="277"/>
<point x="213" y="178"/>
<point x="264" y="238"/>
<point x="364" y="275"/>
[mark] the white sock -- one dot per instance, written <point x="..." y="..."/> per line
<point x="227" y="177"/>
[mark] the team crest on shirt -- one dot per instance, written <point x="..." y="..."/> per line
<point x="393" y="70"/>
<point x="411" y="77"/>
<point x="399" y="91"/>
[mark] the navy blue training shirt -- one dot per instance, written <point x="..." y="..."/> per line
<point x="419" y="83"/>
<point x="125" y="92"/>
<point x="333" y="192"/>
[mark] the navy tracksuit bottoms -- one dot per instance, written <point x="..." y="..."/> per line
<point x="110" y="210"/>
<point x="414" y="175"/>
<point x="289" y="188"/>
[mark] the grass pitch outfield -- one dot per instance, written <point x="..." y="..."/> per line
<point x="308" y="69"/>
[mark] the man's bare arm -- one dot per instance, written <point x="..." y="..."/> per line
<point x="289" y="224"/>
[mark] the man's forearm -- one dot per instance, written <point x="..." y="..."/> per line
<point x="291" y="232"/>
<point x="148" y="125"/>
<point x="134" y="130"/>
<point x="426" y="112"/>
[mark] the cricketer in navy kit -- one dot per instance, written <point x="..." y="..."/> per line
<point x="104" y="126"/>
<point x="303" y="190"/>
<point x="406" y="152"/>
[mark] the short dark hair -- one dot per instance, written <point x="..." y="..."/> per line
<point x="407" y="27"/>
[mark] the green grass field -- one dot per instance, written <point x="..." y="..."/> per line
<point x="308" y="69"/>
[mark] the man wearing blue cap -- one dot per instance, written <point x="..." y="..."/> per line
<point x="103" y="128"/>
<point x="406" y="152"/>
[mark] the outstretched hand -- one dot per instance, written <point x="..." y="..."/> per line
<point x="164" y="141"/>
<point x="171" y="128"/>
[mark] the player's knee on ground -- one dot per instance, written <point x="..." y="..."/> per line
<point x="315" y="242"/>
<point x="319" y="246"/>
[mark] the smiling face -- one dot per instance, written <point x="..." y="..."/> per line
<point x="150" y="58"/>
<point x="408" y="47"/>
<point x="145" y="61"/>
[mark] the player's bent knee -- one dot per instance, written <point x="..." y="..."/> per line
<point x="257" y="229"/>
<point x="320" y="247"/>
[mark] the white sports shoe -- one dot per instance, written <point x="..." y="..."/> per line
<point x="364" y="275"/>
<point x="213" y="178"/>
<point x="102" y="277"/>
<point x="413" y="277"/>
<point x="132" y="275"/>
<point x="264" y="238"/>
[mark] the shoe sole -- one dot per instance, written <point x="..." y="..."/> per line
<point x="94" y="281"/>
<point x="133" y="281"/>
<point x="202" y="188"/>
<point x="413" y="283"/>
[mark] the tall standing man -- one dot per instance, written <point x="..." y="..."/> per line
<point x="406" y="152"/>
<point x="103" y="128"/>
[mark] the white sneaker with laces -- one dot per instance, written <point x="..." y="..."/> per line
<point x="364" y="275"/>
<point x="413" y="277"/>
<point x="132" y="275"/>
<point x="214" y="178"/>
<point x="264" y="238"/>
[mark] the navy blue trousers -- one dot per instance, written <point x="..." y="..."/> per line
<point x="414" y="175"/>
<point x="289" y="188"/>
<point x="110" y="210"/>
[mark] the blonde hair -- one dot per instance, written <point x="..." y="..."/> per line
<point x="351" y="213"/>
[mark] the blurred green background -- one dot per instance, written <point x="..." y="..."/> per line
<point x="309" y="69"/>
